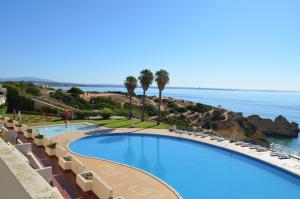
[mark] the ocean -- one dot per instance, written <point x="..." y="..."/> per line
<point x="266" y="104"/>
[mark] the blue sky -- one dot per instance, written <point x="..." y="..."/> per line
<point x="250" y="44"/>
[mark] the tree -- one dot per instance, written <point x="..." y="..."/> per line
<point x="35" y="91"/>
<point x="162" y="79"/>
<point x="106" y="113"/>
<point x="15" y="101"/>
<point x="75" y="91"/>
<point x="130" y="84"/>
<point x="146" y="79"/>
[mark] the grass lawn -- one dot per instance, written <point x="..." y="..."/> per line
<point x="125" y="123"/>
<point x="38" y="120"/>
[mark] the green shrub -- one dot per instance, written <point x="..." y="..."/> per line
<point x="200" y="108"/>
<point x="51" y="145"/>
<point x="104" y="102"/>
<point x="75" y="91"/>
<point x="180" y="121"/>
<point x="39" y="136"/>
<point x="35" y="91"/>
<point x="67" y="158"/>
<point x="85" y="114"/>
<point x="180" y="109"/>
<point x="10" y="121"/>
<point x="70" y="99"/>
<point x="17" y="102"/>
<point x="3" y="109"/>
<point x="218" y="115"/>
<point x="121" y="112"/>
<point x="106" y="113"/>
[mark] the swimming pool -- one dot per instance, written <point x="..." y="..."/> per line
<point x="51" y="131"/>
<point x="195" y="170"/>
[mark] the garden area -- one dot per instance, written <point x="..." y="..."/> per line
<point x="39" y="120"/>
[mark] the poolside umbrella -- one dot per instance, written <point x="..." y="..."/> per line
<point x="19" y="113"/>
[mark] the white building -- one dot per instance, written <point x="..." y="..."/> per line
<point x="2" y="90"/>
<point x="2" y="95"/>
<point x="2" y="99"/>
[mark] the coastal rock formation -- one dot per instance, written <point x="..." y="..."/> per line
<point x="279" y="127"/>
<point x="231" y="125"/>
<point x="188" y="115"/>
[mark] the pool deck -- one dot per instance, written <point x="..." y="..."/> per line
<point x="135" y="184"/>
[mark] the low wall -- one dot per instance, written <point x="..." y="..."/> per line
<point x="77" y="166"/>
<point x="100" y="188"/>
<point x="60" y="151"/>
<point x="46" y="141"/>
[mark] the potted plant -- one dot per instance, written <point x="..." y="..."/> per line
<point x="50" y="148"/>
<point x="10" y="123"/>
<point x="24" y="128"/>
<point x="28" y="133"/>
<point x="18" y="127"/>
<point x="84" y="180"/>
<point x="65" y="162"/>
<point x="38" y="140"/>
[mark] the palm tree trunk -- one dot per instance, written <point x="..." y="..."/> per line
<point x="159" y="102"/>
<point x="143" y="112"/>
<point x="130" y="107"/>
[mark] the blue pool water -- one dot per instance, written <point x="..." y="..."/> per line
<point x="51" y="131"/>
<point x="195" y="170"/>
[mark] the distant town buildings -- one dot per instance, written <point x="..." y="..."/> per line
<point x="2" y="95"/>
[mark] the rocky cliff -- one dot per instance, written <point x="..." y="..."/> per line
<point x="231" y="125"/>
<point x="279" y="127"/>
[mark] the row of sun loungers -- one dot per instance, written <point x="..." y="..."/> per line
<point x="242" y="144"/>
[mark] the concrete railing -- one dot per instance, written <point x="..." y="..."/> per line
<point x="10" y="186"/>
<point x="100" y="188"/>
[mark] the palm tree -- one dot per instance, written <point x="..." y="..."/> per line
<point x="146" y="79"/>
<point x="130" y="84"/>
<point x="162" y="79"/>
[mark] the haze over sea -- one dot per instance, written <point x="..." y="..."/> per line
<point x="267" y="104"/>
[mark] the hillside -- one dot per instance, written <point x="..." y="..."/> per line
<point x="186" y="115"/>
